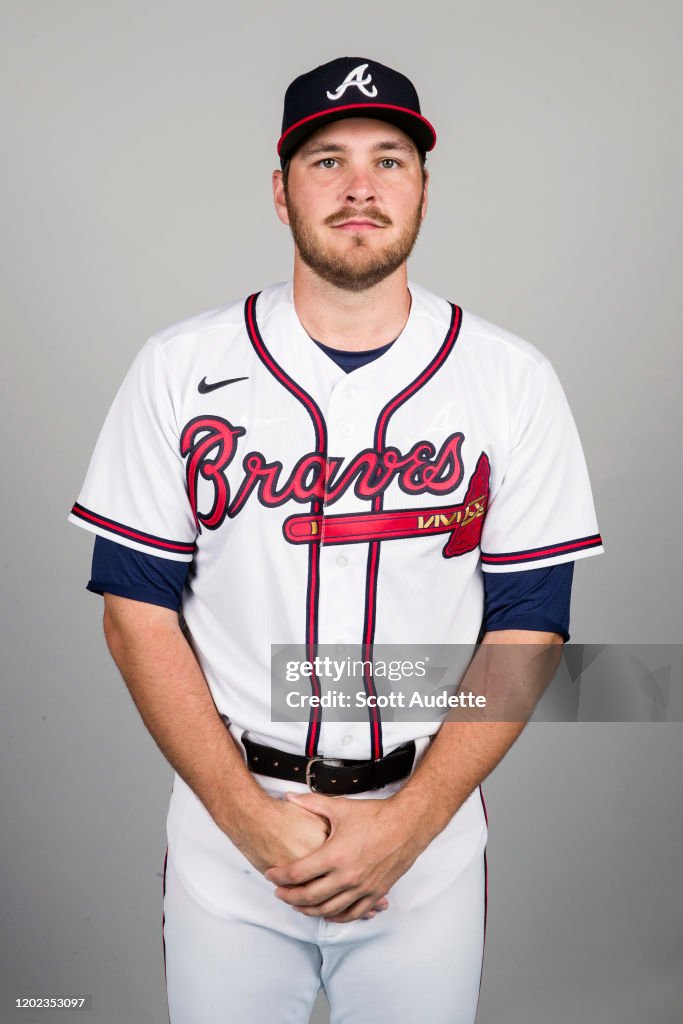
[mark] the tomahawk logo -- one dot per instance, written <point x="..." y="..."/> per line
<point x="355" y="78"/>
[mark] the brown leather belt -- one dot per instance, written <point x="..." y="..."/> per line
<point x="330" y="775"/>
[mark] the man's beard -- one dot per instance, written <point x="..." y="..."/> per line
<point x="343" y="271"/>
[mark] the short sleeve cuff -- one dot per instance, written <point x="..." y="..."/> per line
<point x="542" y="557"/>
<point x="138" y="540"/>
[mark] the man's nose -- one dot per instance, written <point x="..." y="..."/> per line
<point x="360" y="187"/>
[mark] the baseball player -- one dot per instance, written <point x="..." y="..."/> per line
<point x="343" y="458"/>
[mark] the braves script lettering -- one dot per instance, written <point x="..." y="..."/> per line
<point x="210" y="443"/>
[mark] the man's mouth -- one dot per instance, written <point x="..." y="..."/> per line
<point x="358" y="224"/>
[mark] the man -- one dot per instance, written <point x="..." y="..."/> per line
<point x="342" y="459"/>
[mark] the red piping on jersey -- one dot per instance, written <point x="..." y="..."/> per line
<point x="284" y="378"/>
<point x="532" y="553"/>
<point x="358" y="106"/>
<point x="125" y="531"/>
<point x="316" y="509"/>
<point x="377" y="503"/>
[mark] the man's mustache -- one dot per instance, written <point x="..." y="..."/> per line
<point x="370" y="213"/>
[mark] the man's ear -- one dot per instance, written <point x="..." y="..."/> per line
<point x="425" y="195"/>
<point x="279" y="197"/>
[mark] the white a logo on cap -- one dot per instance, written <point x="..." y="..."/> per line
<point x="356" y="78"/>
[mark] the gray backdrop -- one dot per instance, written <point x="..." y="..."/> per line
<point x="138" y="142"/>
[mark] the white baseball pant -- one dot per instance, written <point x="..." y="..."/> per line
<point x="233" y="952"/>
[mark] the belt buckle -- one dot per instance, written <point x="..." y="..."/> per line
<point x="333" y="762"/>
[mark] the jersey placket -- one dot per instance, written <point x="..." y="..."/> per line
<point x="350" y="415"/>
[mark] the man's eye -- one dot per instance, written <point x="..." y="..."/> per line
<point x="389" y="160"/>
<point x="328" y="161"/>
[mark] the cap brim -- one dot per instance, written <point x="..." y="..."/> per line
<point x="413" y="124"/>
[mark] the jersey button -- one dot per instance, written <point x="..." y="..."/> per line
<point x="347" y="741"/>
<point x="350" y="393"/>
<point x="342" y="561"/>
<point x="348" y="430"/>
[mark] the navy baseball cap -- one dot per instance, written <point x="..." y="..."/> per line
<point x="351" y="87"/>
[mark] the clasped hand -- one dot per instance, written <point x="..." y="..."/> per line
<point x="367" y="850"/>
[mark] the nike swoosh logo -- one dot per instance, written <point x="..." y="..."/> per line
<point x="203" y="388"/>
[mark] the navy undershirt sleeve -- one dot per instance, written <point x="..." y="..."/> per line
<point x="537" y="599"/>
<point x="120" y="570"/>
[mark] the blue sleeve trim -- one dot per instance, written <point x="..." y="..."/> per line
<point x="536" y="599"/>
<point x="535" y="622"/>
<point x="134" y="593"/>
<point x="120" y="570"/>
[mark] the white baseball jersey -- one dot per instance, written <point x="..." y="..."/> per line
<point x="320" y="507"/>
